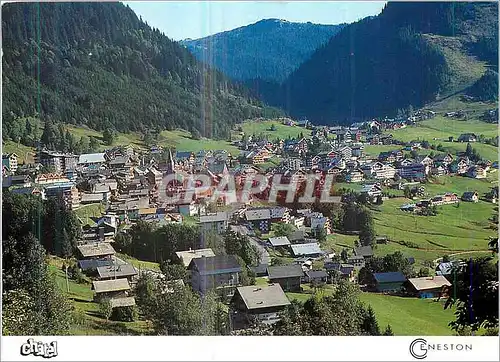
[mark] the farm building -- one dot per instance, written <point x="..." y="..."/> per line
<point x="389" y="282"/>
<point x="429" y="287"/>
<point x="261" y="303"/>
<point x="288" y="276"/>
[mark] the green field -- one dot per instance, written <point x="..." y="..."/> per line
<point x="86" y="318"/>
<point x="281" y="131"/>
<point x="437" y="131"/>
<point x="407" y="316"/>
<point x="25" y="153"/>
<point x="182" y="141"/>
<point x="410" y="316"/>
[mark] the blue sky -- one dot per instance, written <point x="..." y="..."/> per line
<point x="196" y="19"/>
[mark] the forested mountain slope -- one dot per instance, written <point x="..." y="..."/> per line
<point x="99" y="65"/>
<point x="270" y="49"/>
<point x="411" y="54"/>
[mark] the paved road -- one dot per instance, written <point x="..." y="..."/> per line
<point x="243" y="230"/>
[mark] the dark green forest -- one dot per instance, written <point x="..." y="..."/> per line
<point x="381" y="64"/>
<point x="99" y="65"/>
<point x="269" y="49"/>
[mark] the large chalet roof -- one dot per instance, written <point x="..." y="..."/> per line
<point x="284" y="271"/>
<point x="258" y="214"/>
<point x="187" y="256"/>
<point x="96" y="249"/>
<point x="306" y="249"/>
<point x="426" y="283"/>
<point x="391" y="277"/>
<point x="118" y="271"/>
<point x="217" y="217"/>
<point x="113" y="285"/>
<point x="256" y="297"/>
<point x="92" y="158"/>
<point x="219" y="264"/>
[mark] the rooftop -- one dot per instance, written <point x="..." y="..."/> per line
<point x="284" y="271"/>
<point x="91" y="158"/>
<point x="187" y="256"/>
<point x="279" y="241"/>
<point x="119" y="271"/>
<point x="113" y="285"/>
<point x="256" y="297"/>
<point x="122" y="302"/>
<point x="220" y="216"/>
<point x="391" y="277"/>
<point x="96" y="249"/>
<point x="219" y="264"/>
<point x="306" y="249"/>
<point x="425" y="283"/>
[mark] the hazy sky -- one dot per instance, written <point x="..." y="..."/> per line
<point x="196" y="19"/>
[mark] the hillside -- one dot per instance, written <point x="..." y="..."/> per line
<point x="99" y="65"/>
<point x="269" y="49"/>
<point x="411" y="54"/>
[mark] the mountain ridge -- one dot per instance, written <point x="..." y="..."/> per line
<point x="269" y="48"/>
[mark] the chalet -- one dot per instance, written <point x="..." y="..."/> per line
<point x="470" y="196"/>
<point x="257" y="304"/>
<point x="17" y="180"/>
<point x="154" y="176"/>
<point x="60" y="162"/>
<point x="217" y="222"/>
<point x="10" y="162"/>
<point x="358" y="261"/>
<point x="357" y="151"/>
<point x="460" y="166"/>
<point x="415" y="171"/>
<point x="279" y="214"/>
<point x="279" y="241"/>
<point x="119" y="162"/>
<point x="116" y="271"/>
<point x="379" y="171"/>
<point x="355" y="175"/>
<point x="467" y="137"/>
<point x="186" y="256"/>
<point x="346" y="271"/>
<point x="364" y="251"/>
<point x="391" y="156"/>
<point x="259" y="218"/>
<point x="389" y="282"/>
<point x="96" y="251"/>
<point x="476" y="172"/>
<point x="315" y="276"/>
<point x="257" y="157"/>
<point x="438" y="170"/>
<point x="288" y="276"/>
<point x="307" y="249"/>
<point x="92" y="160"/>
<point x="372" y="190"/>
<point x="220" y="273"/>
<point x="428" y="287"/>
<point x="114" y="288"/>
<point x="444" y="159"/>
<point x="292" y="163"/>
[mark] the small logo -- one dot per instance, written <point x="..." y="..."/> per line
<point x="40" y="349"/>
<point x="418" y="348"/>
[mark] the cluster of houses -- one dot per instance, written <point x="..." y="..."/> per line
<point x="130" y="185"/>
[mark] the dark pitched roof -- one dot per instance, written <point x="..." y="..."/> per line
<point x="364" y="251"/>
<point x="391" y="277"/>
<point x="284" y="271"/>
<point x="218" y="264"/>
<point x="93" y="263"/>
<point x="317" y="274"/>
<point x="259" y="269"/>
